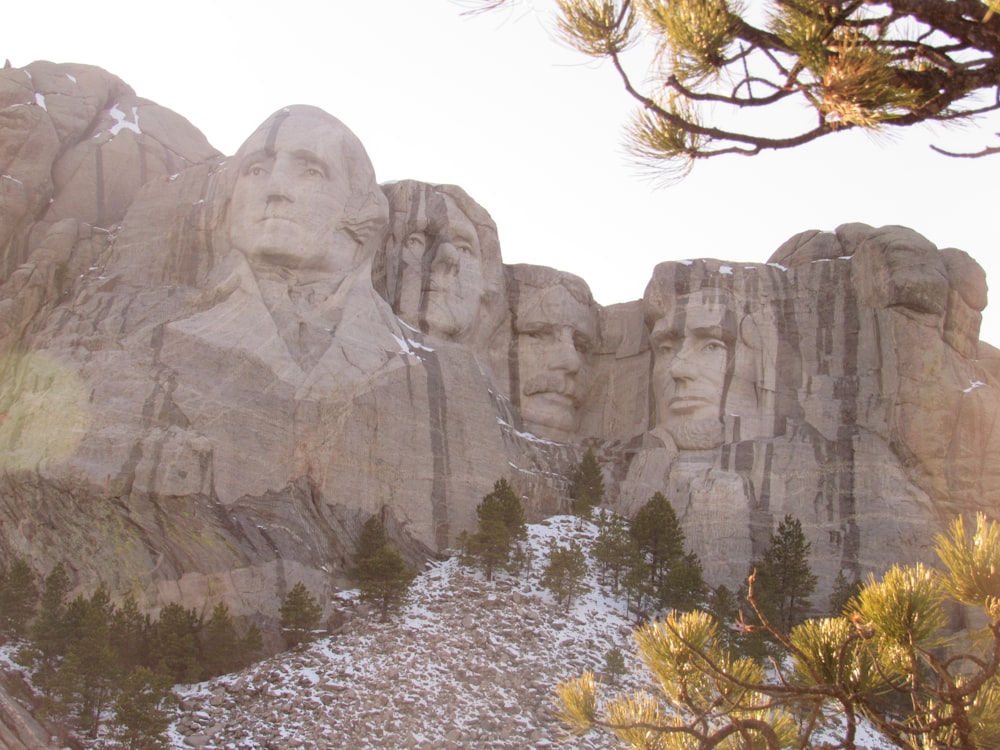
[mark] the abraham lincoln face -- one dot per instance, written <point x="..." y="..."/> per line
<point x="692" y="347"/>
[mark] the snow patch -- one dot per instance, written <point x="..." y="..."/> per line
<point x="40" y="101"/>
<point x="403" y="324"/>
<point x="973" y="384"/>
<point x="529" y="436"/>
<point x="122" y="122"/>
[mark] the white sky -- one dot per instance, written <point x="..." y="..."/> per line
<point x="531" y="129"/>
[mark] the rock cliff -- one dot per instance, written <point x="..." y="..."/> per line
<point x="214" y="370"/>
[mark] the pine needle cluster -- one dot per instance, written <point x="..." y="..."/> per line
<point x="889" y="660"/>
<point x="695" y="67"/>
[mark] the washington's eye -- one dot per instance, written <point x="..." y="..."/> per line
<point x="256" y="170"/>
<point x="315" y="172"/>
<point x="715" y="346"/>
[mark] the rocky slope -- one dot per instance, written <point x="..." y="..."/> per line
<point x="468" y="664"/>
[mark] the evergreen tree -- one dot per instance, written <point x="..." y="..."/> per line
<point x="129" y="630"/>
<point x="300" y="616"/>
<point x="857" y="667"/>
<point x="18" y="598"/>
<point x="658" y="534"/>
<point x="565" y="572"/>
<point x="501" y="525"/>
<point x="175" y="644"/>
<point x="637" y="587"/>
<point x="586" y="485"/>
<point x="251" y="645"/>
<point x="142" y="711"/>
<point x="385" y="579"/>
<point x="724" y="608"/>
<point x="843" y="592"/>
<point x="684" y="586"/>
<point x="614" y="663"/>
<point x="783" y="581"/>
<point x="504" y="505"/>
<point x="85" y="682"/>
<point x="221" y="645"/>
<point x="383" y="576"/>
<point x="49" y="632"/>
<point x="373" y="538"/>
<point x="615" y="551"/>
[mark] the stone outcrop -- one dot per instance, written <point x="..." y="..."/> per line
<point x="214" y="370"/>
<point x="19" y="730"/>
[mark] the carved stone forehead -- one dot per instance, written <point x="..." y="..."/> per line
<point x="307" y="128"/>
<point x="677" y="286"/>
<point x="549" y="296"/>
<point x="705" y="308"/>
<point x="555" y="304"/>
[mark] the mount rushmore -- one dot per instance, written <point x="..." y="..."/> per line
<point x="214" y="370"/>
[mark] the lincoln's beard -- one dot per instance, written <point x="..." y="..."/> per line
<point x="691" y="434"/>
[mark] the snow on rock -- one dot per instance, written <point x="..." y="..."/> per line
<point x="122" y="122"/>
<point x="467" y="664"/>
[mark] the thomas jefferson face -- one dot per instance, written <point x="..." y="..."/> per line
<point x="448" y="255"/>
<point x="288" y="204"/>
<point x="555" y="334"/>
<point x="691" y="347"/>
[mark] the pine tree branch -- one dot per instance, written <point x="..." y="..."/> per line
<point x="781" y="93"/>
<point x="750" y="144"/>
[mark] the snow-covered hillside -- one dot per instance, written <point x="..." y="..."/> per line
<point x="468" y="664"/>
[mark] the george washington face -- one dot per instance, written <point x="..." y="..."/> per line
<point x="290" y="198"/>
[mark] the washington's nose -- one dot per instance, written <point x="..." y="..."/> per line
<point x="279" y="185"/>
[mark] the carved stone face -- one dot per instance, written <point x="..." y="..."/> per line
<point x="288" y="204"/>
<point x="555" y="335"/>
<point x="444" y="260"/>
<point x="692" y="351"/>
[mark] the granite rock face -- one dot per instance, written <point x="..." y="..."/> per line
<point x="214" y="370"/>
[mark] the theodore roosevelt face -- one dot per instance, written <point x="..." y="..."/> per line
<point x="555" y="335"/>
